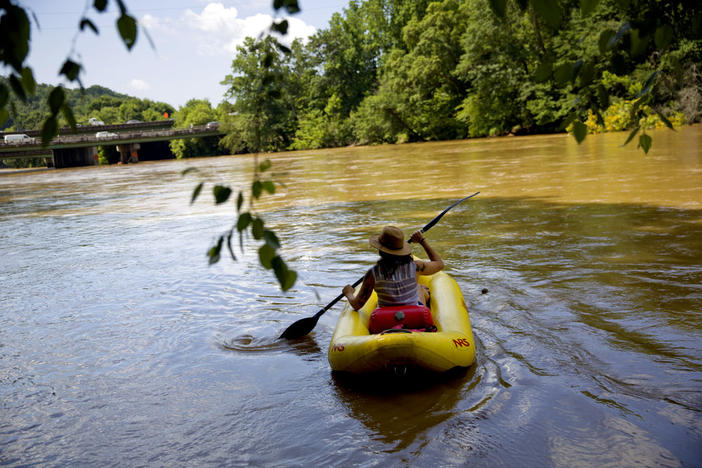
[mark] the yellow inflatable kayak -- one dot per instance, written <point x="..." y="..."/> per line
<point x="354" y="349"/>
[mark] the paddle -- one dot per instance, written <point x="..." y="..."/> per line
<point x="305" y="325"/>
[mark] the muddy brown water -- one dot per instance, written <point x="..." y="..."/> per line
<point x="119" y="346"/>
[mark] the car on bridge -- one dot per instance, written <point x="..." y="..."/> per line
<point x="103" y="135"/>
<point x="212" y="125"/>
<point x="18" y="138"/>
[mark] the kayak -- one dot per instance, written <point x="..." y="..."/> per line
<point x="354" y="349"/>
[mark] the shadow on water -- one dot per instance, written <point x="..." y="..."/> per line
<point x="399" y="409"/>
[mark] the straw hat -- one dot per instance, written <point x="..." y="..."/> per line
<point x="391" y="241"/>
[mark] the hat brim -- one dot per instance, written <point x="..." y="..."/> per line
<point x="375" y="242"/>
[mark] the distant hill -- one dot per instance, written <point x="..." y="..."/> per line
<point x="95" y="101"/>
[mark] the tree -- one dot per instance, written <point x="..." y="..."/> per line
<point x="645" y="32"/>
<point x="196" y="112"/>
<point x="14" y="48"/>
<point x="264" y="119"/>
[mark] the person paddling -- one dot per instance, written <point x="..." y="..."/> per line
<point x="393" y="277"/>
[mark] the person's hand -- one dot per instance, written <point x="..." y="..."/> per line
<point x="348" y="290"/>
<point x="417" y="237"/>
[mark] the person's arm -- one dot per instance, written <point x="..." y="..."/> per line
<point x="435" y="263"/>
<point x="364" y="293"/>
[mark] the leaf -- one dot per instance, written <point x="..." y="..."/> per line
<point x="579" y="131"/>
<point x="543" y="71"/>
<point x="189" y="170"/>
<point x="603" y="41"/>
<point x="649" y="83"/>
<point x="239" y="202"/>
<point x="265" y="256"/>
<point x="221" y="193"/>
<point x="632" y="135"/>
<point x="100" y="5"/>
<point x="639" y="44"/>
<point x="665" y="120"/>
<point x="257" y="228"/>
<point x="286" y="277"/>
<point x="283" y="48"/>
<point x="600" y="119"/>
<point x="269" y="187"/>
<point x="271" y="239"/>
<point x="229" y="246"/>
<point x="603" y="96"/>
<point x="243" y="221"/>
<point x="570" y="118"/>
<point x="68" y="115"/>
<point x="563" y="73"/>
<point x="127" y="27"/>
<point x="49" y="130"/>
<point x="214" y="252"/>
<point x="17" y="87"/>
<point x="86" y="22"/>
<point x="148" y="37"/>
<point x="122" y="7"/>
<point x="289" y="281"/>
<point x="499" y="7"/>
<point x="587" y="73"/>
<point x="265" y="165"/>
<point x="196" y="192"/>
<point x="267" y="62"/>
<point x="588" y="6"/>
<point x="645" y="142"/>
<point x="623" y="29"/>
<point x="28" y="82"/>
<point x="70" y="69"/>
<point x="291" y="6"/>
<point x="256" y="189"/>
<point x="549" y="10"/>
<point x="56" y="99"/>
<point x="4" y="95"/>
<point x="280" y="27"/>
<point x="15" y="35"/>
<point x="663" y="36"/>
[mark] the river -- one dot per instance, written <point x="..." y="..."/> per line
<point x="120" y="346"/>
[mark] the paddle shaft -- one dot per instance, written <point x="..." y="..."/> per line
<point x="337" y="299"/>
<point x="304" y="326"/>
<point x="426" y="227"/>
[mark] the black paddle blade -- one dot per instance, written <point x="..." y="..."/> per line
<point x="300" y="328"/>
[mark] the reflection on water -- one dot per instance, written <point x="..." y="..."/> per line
<point x="119" y="343"/>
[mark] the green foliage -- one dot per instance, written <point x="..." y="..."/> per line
<point x="80" y="105"/>
<point x="408" y="71"/>
<point x="14" y="47"/>
<point x="196" y="112"/>
<point x="249" y="223"/>
<point x="263" y="117"/>
<point x="323" y="129"/>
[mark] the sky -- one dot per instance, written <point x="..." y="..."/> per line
<point x="194" y="43"/>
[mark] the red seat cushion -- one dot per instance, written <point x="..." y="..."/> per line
<point x="413" y="317"/>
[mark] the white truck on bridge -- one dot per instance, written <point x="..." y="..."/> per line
<point x="17" y="138"/>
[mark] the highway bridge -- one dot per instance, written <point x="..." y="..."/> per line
<point x="71" y="149"/>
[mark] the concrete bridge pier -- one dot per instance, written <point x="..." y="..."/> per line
<point x="74" y="157"/>
<point x="128" y="153"/>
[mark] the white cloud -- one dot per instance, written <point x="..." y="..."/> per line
<point x="139" y="85"/>
<point x="219" y="30"/>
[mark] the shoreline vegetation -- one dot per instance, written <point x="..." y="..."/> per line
<point x="387" y="72"/>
